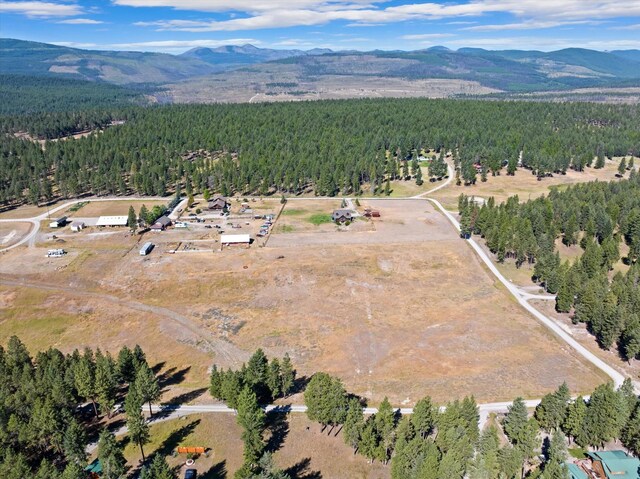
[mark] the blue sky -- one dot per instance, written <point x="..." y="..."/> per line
<point x="174" y="26"/>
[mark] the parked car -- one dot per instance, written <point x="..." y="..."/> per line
<point x="190" y="474"/>
<point x="192" y="214"/>
<point x="208" y="226"/>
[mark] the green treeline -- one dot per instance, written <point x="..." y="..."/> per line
<point x="602" y="218"/>
<point x="333" y="147"/>
<point x="26" y="95"/>
<point x="49" y="404"/>
<point x="445" y="443"/>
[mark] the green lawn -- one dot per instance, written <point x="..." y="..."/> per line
<point x="577" y="452"/>
<point x="320" y="218"/>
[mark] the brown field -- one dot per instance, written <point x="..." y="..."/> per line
<point x="11" y="233"/>
<point x="26" y="211"/>
<point x="403" y="310"/>
<point x="523" y="184"/>
<point x="111" y="208"/>
<point x="303" y="450"/>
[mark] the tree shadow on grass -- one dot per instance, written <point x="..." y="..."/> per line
<point x="300" y="384"/>
<point x="158" y="367"/>
<point x="170" y="444"/>
<point x="278" y="427"/>
<point x="168" y="407"/>
<point x="172" y="376"/>
<point x="217" y="471"/>
<point x="186" y="397"/>
<point x="301" y="470"/>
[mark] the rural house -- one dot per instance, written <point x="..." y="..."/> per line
<point x="161" y="224"/>
<point x="342" y="216"/>
<point x="369" y="213"/>
<point x="605" y="465"/>
<point x="218" y="203"/>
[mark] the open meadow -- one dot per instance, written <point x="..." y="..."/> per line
<point x="401" y="309"/>
<point x="523" y="183"/>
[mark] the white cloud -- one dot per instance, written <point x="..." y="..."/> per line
<point x="41" y="9"/>
<point x="80" y="21"/>
<point x="426" y="36"/>
<point x="529" y="25"/>
<point x="287" y="13"/>
<point x="629" y="27"/>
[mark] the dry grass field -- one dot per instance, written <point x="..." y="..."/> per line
<point x="300" y="448"/>
<point x="402" y="310"/>
<point x="11" y="233"/>
<point x="523" y="184"/>
<point x="93" y="209"/>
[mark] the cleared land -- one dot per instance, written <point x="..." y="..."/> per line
<point x="402" y="310"/>
<point x="233" y="87"/>
<point x="524" y="184"/>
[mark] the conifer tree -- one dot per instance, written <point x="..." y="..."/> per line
<point x="146" y="386"/>
<point x="110" y="456"/>
<point x="84" y="375"/>
<point x="252" y="420"/>
<point x="353" y="424"/>
<point x="622" y="167"/>
<point x="288" y="375"/>
<point x="424" y="417"/>
<point x="132" y="220"/>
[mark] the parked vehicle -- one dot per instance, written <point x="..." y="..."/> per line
<point x="190" y="474"/>
<point x="146" y="248"/>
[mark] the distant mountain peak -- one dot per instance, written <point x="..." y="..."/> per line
<point x="438" y="48"/>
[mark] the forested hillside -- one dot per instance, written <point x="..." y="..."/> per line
<point x="21" y="94"/>
<point x="335" y="147"/>
<point x="602" y="218"/>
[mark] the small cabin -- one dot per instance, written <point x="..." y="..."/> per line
<point x="59" y="223"/>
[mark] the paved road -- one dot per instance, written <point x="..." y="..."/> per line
<point x="523" y="298"/>
<point x="36" y="220"/>
<point x="170" y="412"/>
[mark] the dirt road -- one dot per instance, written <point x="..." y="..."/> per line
<point x="226" y="350"/>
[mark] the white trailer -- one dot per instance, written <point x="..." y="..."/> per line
<point x="146" y="248"/>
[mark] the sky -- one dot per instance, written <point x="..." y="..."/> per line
<point x="174" y="26"/>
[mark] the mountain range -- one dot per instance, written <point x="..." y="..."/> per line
<point x="252" y="70"/>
